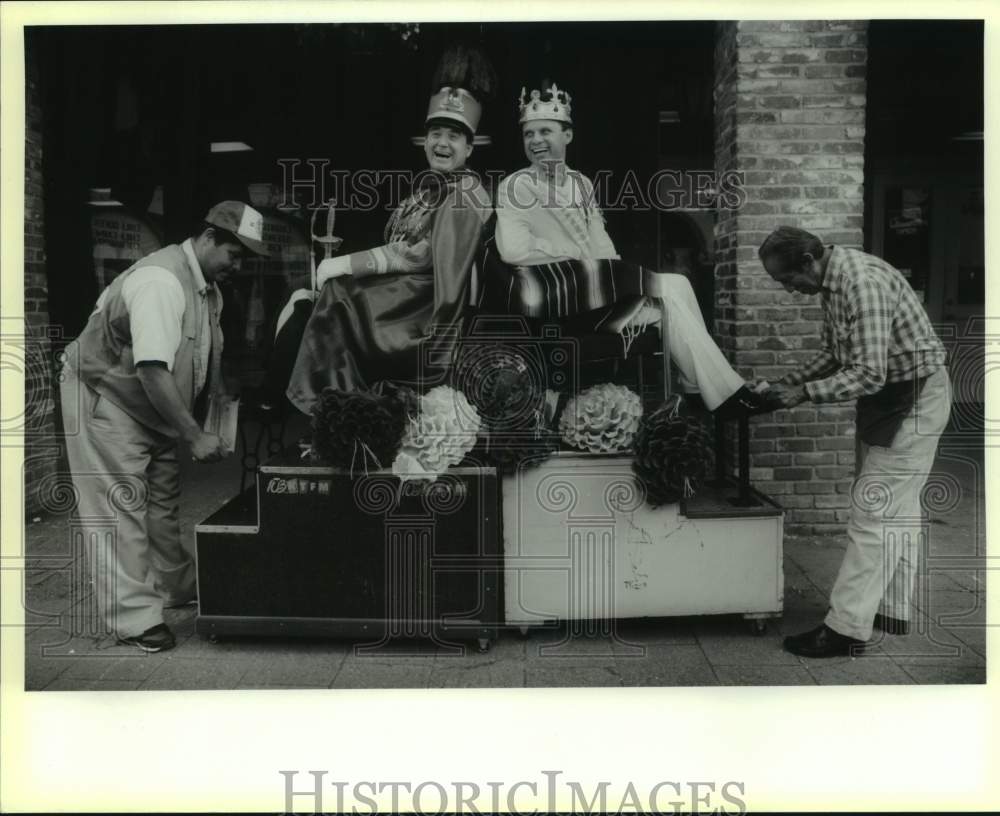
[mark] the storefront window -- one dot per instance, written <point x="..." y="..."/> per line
<point x="907" y="233"/>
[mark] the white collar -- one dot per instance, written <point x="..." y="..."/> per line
<point x="200" y="284"/>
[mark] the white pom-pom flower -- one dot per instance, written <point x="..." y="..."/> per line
<point x="443" y="432"/>
<point x="602" y="419"/>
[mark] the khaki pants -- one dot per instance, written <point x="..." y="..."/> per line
<point x="127" y="480"/>
<point x="886" y="524"/>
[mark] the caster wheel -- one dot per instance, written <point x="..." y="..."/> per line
<point x="523" y="631"/>
<point x="213" y="638"/>
<point x="483" y="645"/>
<point x="758" y="626"/>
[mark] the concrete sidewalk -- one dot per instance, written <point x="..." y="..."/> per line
<point x="947" y="643"/>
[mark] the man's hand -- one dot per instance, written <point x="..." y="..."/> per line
<point x="786" y="396"/>
<point x="207" y="447"/>
<point x="332" y="268"/>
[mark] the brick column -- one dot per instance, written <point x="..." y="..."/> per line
<point x="790" y="117"/>
<point x="41" y="450"/>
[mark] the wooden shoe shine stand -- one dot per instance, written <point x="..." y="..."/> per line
<point x="316" y="551"/>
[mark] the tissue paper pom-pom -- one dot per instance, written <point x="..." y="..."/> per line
<point x="444" y="430"/>
<point x="602" y="419"/>
<point x="673" y="454"/>
<point x="357" y="429"/>
<point x="502" y="382"/>
<point x="511" y="441"/>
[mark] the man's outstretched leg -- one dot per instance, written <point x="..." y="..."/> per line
<point x="700" y="360"/>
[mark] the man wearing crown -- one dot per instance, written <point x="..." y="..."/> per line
<point x="395" y="312"/>
<point x="549" y="227"/>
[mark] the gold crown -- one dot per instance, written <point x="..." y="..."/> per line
<point x="556" y="107"/>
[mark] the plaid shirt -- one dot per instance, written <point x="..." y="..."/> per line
<point x="875" y="331"/>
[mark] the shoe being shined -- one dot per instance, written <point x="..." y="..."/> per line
<point x="745" y="402"/>
<point x="157" y="638"/>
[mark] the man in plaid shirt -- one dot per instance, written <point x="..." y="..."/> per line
<point x="879" y="348"/>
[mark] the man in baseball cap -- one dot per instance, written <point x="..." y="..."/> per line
<point x="151" y="348"/>
<point x="243" y="222"/>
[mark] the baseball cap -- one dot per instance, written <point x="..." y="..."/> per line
<point x="241" y="220"/>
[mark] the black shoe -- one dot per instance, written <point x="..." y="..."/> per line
<point x="178" y="604"/>
<point x="744" y="402"/>
<point x="891" y="626"/>
<point x="156" y="639"/>
<point x="821" y="642"/>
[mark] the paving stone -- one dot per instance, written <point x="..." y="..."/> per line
<point x="548" y="674"/>
<point x="764" y="676"/>
<point x="136" y="667"/>
<point x="948" y="607"/>
<point x="188" y="674"/>
<point x="735" y="647"/>
<point x="91" y="668"/>
<point x="405" y="648"/>
<point x="301" y="670"/>
<point x="940" y="675"/>
<point x="509" y="646"/>
<point x="866" y="670"/>
<point x="679" y="664"/>
<point x="501" y="674"/>
<point x="64" y="683"/>
<point x="970" y="580"/>
<point x="571" y="649"/>
<point x="39" y="673"/>
<point x="383" y="674"/>
<point x="928" y="645"/>
<point x="974" y="638"/>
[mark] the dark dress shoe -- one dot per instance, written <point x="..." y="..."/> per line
<point x="820" y="642"/>
<point x="891" y="626"/>
<point x="155" y="639"/>
<point x="744" y="402"/>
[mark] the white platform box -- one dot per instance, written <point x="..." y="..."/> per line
<point x="581" y="543"/>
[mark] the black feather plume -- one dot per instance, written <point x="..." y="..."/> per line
<point x="465" y="66"/>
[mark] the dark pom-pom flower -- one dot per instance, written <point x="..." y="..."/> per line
<point x="673" y="454"/>
<point x="358" y="430"/>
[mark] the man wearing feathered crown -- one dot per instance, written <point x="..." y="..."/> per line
<point x="547" y="219"/>
<point x="395" y="312"/>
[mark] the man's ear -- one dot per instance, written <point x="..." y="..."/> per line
<point x="569" y="135"/>
<point x="468" y="150"/>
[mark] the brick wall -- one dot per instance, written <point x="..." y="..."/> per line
<point x="790" y="116"/>
<point x="41" y="451"/>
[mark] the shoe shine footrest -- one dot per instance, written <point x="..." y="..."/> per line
<point x="313" y="550"/>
